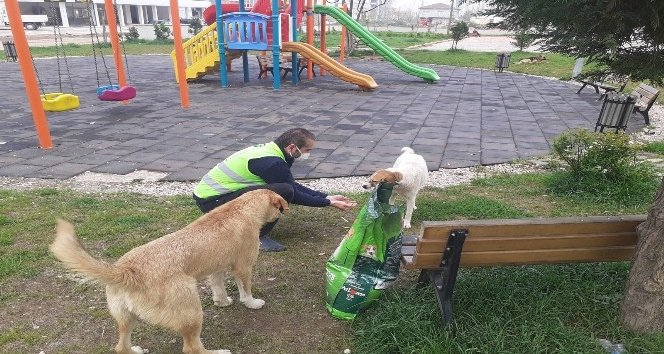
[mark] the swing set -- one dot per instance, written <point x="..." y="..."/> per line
<point x="57" y="101"/>
<point x="110" y="92"/>
<point x="116" y="92"/>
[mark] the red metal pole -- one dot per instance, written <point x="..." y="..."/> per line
<point x="342" y="49"/>
<point x="179" y="54"/>
<point x="310" y="36"/>
<point x="28" y="71"/>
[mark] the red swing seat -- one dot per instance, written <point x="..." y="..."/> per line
<point x="116" y="93"/>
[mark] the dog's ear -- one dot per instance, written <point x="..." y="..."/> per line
<point x="278" y="202"/>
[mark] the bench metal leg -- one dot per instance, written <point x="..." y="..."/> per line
<point x="443" y="281"/>
<point x="582" y="87"/>
<point x="646" y="118"/>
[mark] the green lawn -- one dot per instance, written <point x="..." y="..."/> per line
<point x="529" y="309"/>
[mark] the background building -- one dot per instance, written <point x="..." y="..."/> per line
<point x="435" y="14"/>
<point x="130" y="12"/>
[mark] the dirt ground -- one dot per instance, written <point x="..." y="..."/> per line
<point x="55" y="313"/>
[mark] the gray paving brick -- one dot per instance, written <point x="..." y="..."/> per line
<point x="63" y="170"/>
<point x="507" y="115"/>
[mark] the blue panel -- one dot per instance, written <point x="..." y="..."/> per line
<point x="245" y="31"/>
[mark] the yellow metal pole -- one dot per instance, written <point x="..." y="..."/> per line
<point x="28" y="72"/>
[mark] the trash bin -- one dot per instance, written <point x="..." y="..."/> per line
<point x="10" y="50"/>
<point x="502" y="61"/>
<point x="616" y="111"/>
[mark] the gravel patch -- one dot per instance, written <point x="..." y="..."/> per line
<point x="148" y="182"/>
<point x="655" y="131"/>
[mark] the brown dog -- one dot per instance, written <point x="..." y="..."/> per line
<point x="156" y="282"/>
<point x="383" y="176"/>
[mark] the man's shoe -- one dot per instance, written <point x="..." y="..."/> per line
<point x="269" y="245"/>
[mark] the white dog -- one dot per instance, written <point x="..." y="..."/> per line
<point x="413" y="170"/>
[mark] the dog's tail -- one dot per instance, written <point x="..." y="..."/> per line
<point x="408" y="150"/>
<point x="67" y="249"/>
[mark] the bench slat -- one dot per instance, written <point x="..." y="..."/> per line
<point x="525" y="257"/>
<point x="512" y="227"/>
<point x="533" y="242"/>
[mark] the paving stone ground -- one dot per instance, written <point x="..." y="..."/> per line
<point x="470" y="117"/>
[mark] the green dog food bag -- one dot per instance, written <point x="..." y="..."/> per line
<point x="367" y="260"/>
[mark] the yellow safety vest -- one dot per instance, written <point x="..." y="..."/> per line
<point x="233" y="173"/>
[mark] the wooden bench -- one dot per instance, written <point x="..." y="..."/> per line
<point x="646" y="98"/>
<point x="303" y="62"/>
<point x="608" y="83"/>
<point x="442" y="247"/>
<point x="266" y="64"/>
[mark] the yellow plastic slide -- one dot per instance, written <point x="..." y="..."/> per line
<point x="332" y="66"/>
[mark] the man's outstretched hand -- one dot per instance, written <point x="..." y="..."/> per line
<point x="341" y="202"/>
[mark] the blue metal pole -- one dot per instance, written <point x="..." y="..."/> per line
<point x="221" y="45"/>
<point x="245" y="57"/>
<point x="275" y="43"/>
<point x="294" y="60"/>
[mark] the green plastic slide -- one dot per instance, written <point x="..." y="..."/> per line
<point x="376" y="44"/>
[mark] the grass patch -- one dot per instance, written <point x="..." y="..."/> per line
<point x="632" y="188"/>
<point x="556" y="65"/>
<point x="20" y="334"/>
<point x="134" y="47"/>
<point x="529" y="309"/>
<point x="656" y="147"/>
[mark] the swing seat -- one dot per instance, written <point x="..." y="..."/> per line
<point x="58" y="102"/>
<point x="116" y="93"/>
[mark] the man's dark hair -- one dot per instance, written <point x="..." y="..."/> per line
<point x="297" y="136"/>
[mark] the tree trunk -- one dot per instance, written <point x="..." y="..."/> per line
<point x="642" y="309"/>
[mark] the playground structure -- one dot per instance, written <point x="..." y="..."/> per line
<point x="240" y="31"/>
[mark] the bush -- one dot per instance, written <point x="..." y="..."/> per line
<point x="523" y="40"/>
<point x="195" y="26"/>
<point x="132" y="35"/>
<point x="585" y="151"/>
<point x="161" y="31"/>
<point x="459" y="32"/>
<point x="602" y="167"/>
